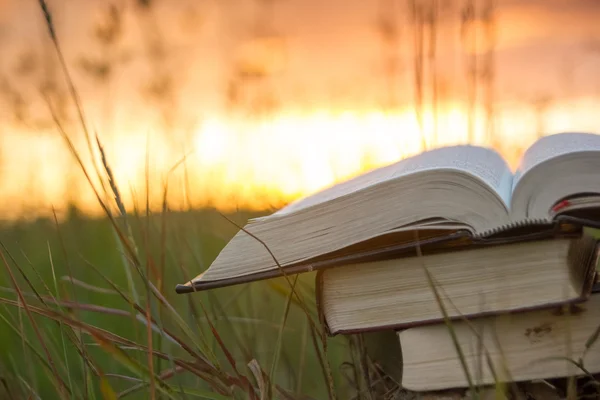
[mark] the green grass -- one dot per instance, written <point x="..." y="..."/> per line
<point x="249" y="319"/>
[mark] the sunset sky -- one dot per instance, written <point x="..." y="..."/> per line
<point x="274" y="98"/>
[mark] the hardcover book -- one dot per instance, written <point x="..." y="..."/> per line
<point x="475" y="281"/>
<point x="540" y="344"/>
<point x="447" y="197"/>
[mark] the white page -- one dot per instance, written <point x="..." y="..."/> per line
<point x="483" y="163"/>
<point x="553" y="146"/>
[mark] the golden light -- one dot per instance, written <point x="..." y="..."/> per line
<point x="327" y="81"/>
<point x="211" y="142"/>
<point x="255" y="164"/>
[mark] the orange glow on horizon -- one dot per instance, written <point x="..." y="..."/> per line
<point x="172" y="80"/>
<point x="261" y="164"/>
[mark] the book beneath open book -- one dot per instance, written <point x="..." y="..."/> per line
<point x="518" y="347"/>
<point x="395" y="293"/>
<point x="462" y="188"/>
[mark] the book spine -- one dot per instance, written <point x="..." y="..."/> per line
<point x="513" y="225"/>
<point x="560" y="224"/>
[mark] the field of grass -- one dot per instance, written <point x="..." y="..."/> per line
<point x="88" y="308"/>
<point x="74" y="304"/>
<point x="66" y="271"/>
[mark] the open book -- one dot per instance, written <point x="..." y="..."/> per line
<point x="395" y="293"/>
<point x="464" y="188"/>
<point x="519" y="347"/>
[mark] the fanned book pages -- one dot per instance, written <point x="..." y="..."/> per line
<point x="466" y="189"/>
<point x="520" y="347"/>
<point x="396" y="293"/>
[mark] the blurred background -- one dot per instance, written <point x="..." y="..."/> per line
<point x="236" y="106"/>
<point x="275" y="99"/>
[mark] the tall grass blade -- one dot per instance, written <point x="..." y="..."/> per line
<point x="264" y="387"/>
<point x="63" y="389"/>
<point x="26" y="342"/>
<point x="72" y="91"/>
<point x="278" y="345"/>
<point x="84" y="368"/>
<point x="130" y="363"/>
<point x="590" y="342"/>
<point x="302" y="357"/>
<point x="107" y="391"/>
<point x="328" y="376"/>
<point x="141" y="310"/>
<point x="87" y="286"/>
<point x="60" y="325"/>
<point x="439" y="301"/>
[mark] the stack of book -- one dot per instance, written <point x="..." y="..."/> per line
<point x="448" y="238"/>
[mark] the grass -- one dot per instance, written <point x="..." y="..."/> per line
<point x="88" y="308"/>
<point x="73" y="306"/>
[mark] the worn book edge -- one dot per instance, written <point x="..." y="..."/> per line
<point x="514" y="376"/>
<point x="584" y="251"/>
<point x="428" y="241"/>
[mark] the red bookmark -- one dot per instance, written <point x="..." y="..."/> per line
<point x="560" y="205"/>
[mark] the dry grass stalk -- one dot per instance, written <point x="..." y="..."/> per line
<point x="469" y="41"/>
